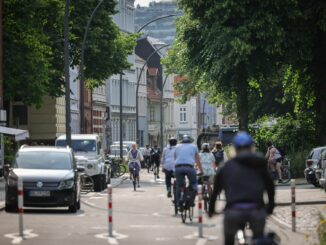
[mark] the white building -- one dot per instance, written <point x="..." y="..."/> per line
<point x="125" y="21"/>
<point x="186" y="118"/>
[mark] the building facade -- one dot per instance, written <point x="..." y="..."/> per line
<point x="164" y="29"/>
<point x="125" y="21"/>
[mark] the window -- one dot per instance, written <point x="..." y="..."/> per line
<point x="183" y="114"/>
<point x="152" y="113"/>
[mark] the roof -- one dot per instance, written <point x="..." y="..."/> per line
<point x="152" y="71"/>
<point x="18" y="133"/>
<point x="26" y="148"/>
<point x="80" y="137"/>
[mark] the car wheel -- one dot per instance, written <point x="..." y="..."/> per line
<point x="11" y="208"/>
<point x="98" y="183"/>
<point x="78" y="205"/>
<point x="316" y="184"/>
<point x="74" y="207"/>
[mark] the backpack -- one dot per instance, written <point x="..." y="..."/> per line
<point x="219" y="157"/>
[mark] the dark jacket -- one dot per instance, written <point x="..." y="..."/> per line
<point x="244" y="180"/>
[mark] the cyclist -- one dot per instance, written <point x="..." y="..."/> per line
<point x="186" y="156"/>
<point x="168" y="163"/>
<point x="274" y="158"/>
<point x="219" y="154"/>
<point x="134" y="159"/>
<point x="155" y="156"/>
<point x="147" y="157"/>
<point x="244" y="179"/>
<point x="208" y="164"/>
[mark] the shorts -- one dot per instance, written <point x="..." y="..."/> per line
<point x="133" y="165"/>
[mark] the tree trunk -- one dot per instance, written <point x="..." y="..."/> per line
<point x="242" y="105"/>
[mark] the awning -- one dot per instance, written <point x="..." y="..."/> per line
<point x="18" y="133"/>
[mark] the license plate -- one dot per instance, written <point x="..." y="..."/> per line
<point x="39" y="193"/>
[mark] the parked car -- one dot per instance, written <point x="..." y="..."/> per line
<point x="89" y="153"/>
<point x="50" y="178"/>
<point x="313" y="172"/>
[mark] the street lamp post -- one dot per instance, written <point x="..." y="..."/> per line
<point x="121" y="117"/>
<point x="66" y="68"/>
<point x="161" y="112"/>
<point x="137" y="87"/>
<point x="81" y="70"/>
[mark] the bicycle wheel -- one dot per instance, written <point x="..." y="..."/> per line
<point x="121" y="170"/>
<point x="134" y="182"/>
<point x="155" y="172"/>
<point x="183" y="215"/>
<point x="175" y="204"/>
<point x="286" y="174"/>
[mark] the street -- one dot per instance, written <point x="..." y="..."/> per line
<point x="142" y="217"/>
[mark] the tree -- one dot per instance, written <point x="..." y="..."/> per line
<point x="33" y="46"/>
<point x="232" y="47"/>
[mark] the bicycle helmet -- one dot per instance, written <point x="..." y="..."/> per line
<point x="186" y="139"/>
<point x="173" y="141"/>
<point x="242" y="140"/>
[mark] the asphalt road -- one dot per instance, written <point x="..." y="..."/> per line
<point x="142" y="217"/>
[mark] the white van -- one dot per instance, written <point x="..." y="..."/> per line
<point x="124" y="143"/>
<point x="88" y="153"/>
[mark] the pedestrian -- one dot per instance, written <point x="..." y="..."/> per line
<point x="274" y="158"/>
<point x="186" y="156"/>
<point x="244" y="179"/>
<point x="219" y="154"/>
<point x="156" y="157"/>
<point x="168" y="163"/>
<point x="134" y="159"/>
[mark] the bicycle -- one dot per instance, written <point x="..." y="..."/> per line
<point x="86" y="183"/>
<point x="155" y="171"/>
<point x="285" y="170"/>
<point x="133" y="173"/>
<point x="147" y="160"/>
<point x="174" y="197"/>
<point x="204" y="181"/>
<point x="117" y="168"/>
<point x="187" y="203"/>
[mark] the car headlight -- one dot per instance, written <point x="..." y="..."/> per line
<point x="66" y="184"/>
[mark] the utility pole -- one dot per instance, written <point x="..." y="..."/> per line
<point x="121" y="117"/>
<point x="67" y="77"/>
<point x="162" y="114"/>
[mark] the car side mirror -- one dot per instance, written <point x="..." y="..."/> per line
<point x="80" y="169"/>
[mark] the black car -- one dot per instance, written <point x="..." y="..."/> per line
<point x="50" y="178"/>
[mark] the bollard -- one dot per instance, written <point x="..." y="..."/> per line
<point x="293" y="205"/>
<point x="20" y="194"/>
<point x="110" y="220"/>
<point x="200" y="211"/>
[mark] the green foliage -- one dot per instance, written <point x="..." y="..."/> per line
<point x="9" y="150"/>
<point x="33" y="46"/>
<point x="293" y="134"/>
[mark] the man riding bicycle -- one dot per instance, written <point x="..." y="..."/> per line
<point x="168" y="163"/>
<point x="147" y="157"/>
<point x="156" y="157"/>
<point x="274" y="159"/>
<point x="244" y="179"/>
<point x="186" y="156"/>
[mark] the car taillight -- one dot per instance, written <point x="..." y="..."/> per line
<point x="309" y="163"/>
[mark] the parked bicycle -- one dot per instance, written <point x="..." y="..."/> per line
<point x="117" y="168"/>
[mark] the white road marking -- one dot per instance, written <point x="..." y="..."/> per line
<point x="194" y="236"/>
<point x="81" y="215"/>
<point x="112" y="240"/>
<point x="96" y="198"/>
<point x="153" y="226"/>
<point x="163" y="239"/>
<point x="201" y="241"/>
<point x="17" y="239"/>
<point x="156" y="214"/>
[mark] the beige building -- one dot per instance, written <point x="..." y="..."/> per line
<point x="44" y="124"/>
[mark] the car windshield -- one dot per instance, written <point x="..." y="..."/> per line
<point x="116" y="152"/>
<point x="43" y="160"/>
<point x="79" y="145"/>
